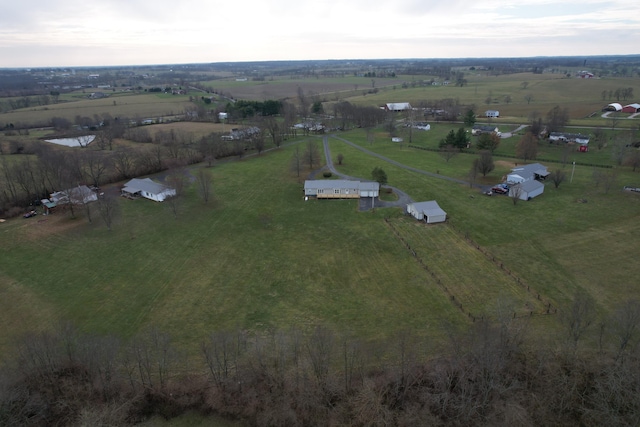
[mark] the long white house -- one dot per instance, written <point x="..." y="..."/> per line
<point x="340" y="189"/>
<point x="148" y="189"/>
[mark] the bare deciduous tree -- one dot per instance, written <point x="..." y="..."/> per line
<point x="578" y="317"/>
<point x="484" y="164"/>
<point x="557" y="177"/>
<point x="448" y="152"/>
<point x="527" y="147"/>
<point x="108" y="208"/>
<point x="204" y="182"/>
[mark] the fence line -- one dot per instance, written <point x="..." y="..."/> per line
<point x="450" y="295"/>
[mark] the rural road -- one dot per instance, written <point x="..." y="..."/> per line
<point x="403" y="198"/>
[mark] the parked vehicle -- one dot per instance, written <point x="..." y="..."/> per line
<point x="30" y="214"/>
<point x="500" y="189"/>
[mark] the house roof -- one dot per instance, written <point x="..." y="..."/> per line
<point x="529" y="171"/>
<point x="529" y="186"/>
<point x="634" y="105"/>
<point x="78" y="195"/>
<point x="395" y="106"/>
<point x="430" y="208"/>
<point x="146" y="184"/>
<point x="341" y="184"/>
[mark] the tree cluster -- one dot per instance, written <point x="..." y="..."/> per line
<point x="458" y="139"/>
<point x="493" y="372"/>
<point x="244" y="109"/>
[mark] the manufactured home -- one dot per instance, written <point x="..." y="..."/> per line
<point x="340" y="189"/>
<point x="148" y="189"/>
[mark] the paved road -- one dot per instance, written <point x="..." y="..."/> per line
<point x="510" y="134"/>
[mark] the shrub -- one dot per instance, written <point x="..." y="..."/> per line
<point x="327" y="174"/>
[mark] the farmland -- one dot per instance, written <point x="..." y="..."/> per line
<point x="261" y="306"/>
<point x="310" y="263"/>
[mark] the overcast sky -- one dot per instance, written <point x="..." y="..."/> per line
<point x="130" y="32"/>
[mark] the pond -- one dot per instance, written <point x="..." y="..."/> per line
<point x="77" y="141"/>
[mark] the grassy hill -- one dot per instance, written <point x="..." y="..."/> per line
<point x="260" y="257"/>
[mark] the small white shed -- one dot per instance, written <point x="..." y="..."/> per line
<point x="429" y="211"/>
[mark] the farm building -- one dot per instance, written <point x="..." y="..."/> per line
<point x="614" y="106"/>
<point x="531" y="172"/>
<point x="480" y="129"/>
<point x="430" y="212"/>
<point x="631" y="108"/>
<point x="492" y="113"/>
<point x="577" y="138"/>
<point x="397" y="106"/>
<point x="148" y="189"/>
<point x="340" y="189"/>
<point x="526" y="190"/>
<point x="77" y="195"/>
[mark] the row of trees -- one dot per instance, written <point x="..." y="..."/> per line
<point x="28" y="179"/>
<point x="493" y="372"/>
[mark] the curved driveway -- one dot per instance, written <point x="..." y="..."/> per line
<point x="365" y="203"/>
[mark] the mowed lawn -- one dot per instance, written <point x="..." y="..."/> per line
<point x="470" y="277"/>
<point x="576" y="237"/>
<point x="259" y="257"/>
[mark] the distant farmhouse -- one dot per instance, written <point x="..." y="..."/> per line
<point x="79" y="195"/>
<point x="481" y="129"/>
<point x="429" y="212"/>
<point x="585" y="75"/>
<point x="340" y="189"/>
<point x="524" y="181"/>
<point x="631" y="108"/>
<point x="576" y="138"/>
<point x="148" y="189"/>
<point x="492" y="113"/>
<point x="398" y="106"/>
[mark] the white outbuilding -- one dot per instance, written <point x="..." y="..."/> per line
<point x="148" y="189"/>
<point x="526" y="190"/>
<point x="430" y="212"/>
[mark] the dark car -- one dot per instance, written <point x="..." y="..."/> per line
<point x="30" y="214"/>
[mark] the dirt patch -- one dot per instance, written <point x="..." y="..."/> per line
<point x="41" y="226"/>
<point x="505" y="164"/>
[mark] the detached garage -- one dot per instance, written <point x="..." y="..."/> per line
<point x="526" y="190"/>
<point x="430" y="212"/>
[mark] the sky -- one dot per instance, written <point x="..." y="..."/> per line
<point x="63" y="33"/>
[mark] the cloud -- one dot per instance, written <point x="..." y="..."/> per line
<point x="165" y="31"/>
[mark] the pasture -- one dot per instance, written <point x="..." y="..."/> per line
<point x="259" y="257"/>
<point x="130" y="104"/>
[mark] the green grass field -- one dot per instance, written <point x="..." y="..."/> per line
<point x="260" y="257"/>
